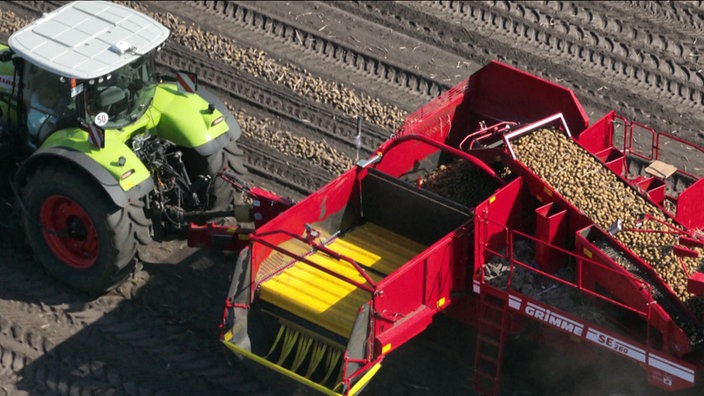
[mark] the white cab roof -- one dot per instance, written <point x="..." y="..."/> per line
<point x="87" y="39"/>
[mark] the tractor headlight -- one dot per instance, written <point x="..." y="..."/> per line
<point x="127" y="174"/>
<point x="217" y="121"/>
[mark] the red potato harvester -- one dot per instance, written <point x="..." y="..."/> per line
<point x="496" y="204"/>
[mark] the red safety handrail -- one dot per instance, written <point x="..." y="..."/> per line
<point x="513" y="261"/>
<point x="456" y="152"/>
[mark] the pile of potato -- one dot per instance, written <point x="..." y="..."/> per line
<point x="460" y="181"/>
<point x="591" y="187"/>
<point x="261" y="65"/>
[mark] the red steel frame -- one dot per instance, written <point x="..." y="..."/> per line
<point x="664" y="370"/>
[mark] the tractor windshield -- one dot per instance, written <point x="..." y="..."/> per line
<point x="121" y="97"/>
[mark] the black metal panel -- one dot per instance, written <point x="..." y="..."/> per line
<point x="409" y="211"/>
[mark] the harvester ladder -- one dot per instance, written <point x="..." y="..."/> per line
<point x="489" y="354"/>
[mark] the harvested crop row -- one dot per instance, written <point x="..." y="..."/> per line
<point x="259" y="64"/>
<point x="319" y="153"/>
<point x="9" y="21"/>
<point x="585" y="182"/>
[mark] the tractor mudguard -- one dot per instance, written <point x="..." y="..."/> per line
<point x="235" y="130"/>
<point x="187" y="121"/>
<point x="116" y="168"/>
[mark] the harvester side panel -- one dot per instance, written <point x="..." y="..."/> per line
<point x="496" y="92"/>
<point x="600" y="135"/>
<point x="689" y="210"/>
<point x="551" y="223"/>
<point x="436" y="118"/>
<point x="413" y="295"/>
<point x="664" y="371"/>
<point x="328" y="210"/>
<point x="493" y="219"/>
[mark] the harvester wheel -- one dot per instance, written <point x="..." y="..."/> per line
<point x="76" y="232"/>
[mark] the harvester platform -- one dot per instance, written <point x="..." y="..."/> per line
<point x="322" y="298"/>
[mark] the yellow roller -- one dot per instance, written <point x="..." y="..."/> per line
<point x="330" y="302"/>
<point x="376" y="247"/>
<point x="316" y="296"/>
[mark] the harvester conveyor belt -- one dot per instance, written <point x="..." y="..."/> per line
<point x="659" y="295"/>
<point x="634" y="269"/>
<point x="326" y="300"/>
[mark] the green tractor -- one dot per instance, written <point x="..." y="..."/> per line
<point x="101" y="154"/>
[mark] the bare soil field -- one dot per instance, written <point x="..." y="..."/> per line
<point x="297" y="74"/>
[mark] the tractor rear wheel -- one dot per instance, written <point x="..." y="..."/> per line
<point x="75" y="230"/>
<point x="229" y="158"/>
<point x="220" y="194"/>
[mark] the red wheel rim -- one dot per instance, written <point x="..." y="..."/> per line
<point x="69" y="232"/>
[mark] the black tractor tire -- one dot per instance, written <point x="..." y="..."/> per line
<point x="220" y="194"/>
<point x="230" y="158"/>
<point x="76" y="231"/>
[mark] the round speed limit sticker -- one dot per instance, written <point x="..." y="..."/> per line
<point x="101" y="119"/>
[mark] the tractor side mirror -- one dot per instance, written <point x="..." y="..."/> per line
<point x="6" y="56"/>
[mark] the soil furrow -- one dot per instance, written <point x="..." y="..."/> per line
<point x="642" y="59"/>
<point x="484" y="38"/>
<point x="222" y="48"/>
<point x="36" y="355"/>
<point x="661" y="94"/>
<point x="319" y="119"/>
<point x="137" y="330"/>
<point x="631" y="30"/>
<point x="689" y="15"/>
<point x="667" y="53"/>
<point x="262" y="18"/>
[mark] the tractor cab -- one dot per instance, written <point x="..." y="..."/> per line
<point x="85" y="63"/>
<point x="47" y="103"/>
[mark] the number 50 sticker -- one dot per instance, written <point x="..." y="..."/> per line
<point x="101" y="119"/>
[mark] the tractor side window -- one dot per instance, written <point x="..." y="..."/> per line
<point x="47" y="100"/>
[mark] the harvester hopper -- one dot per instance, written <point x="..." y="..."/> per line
<point x="348" y="276"/>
